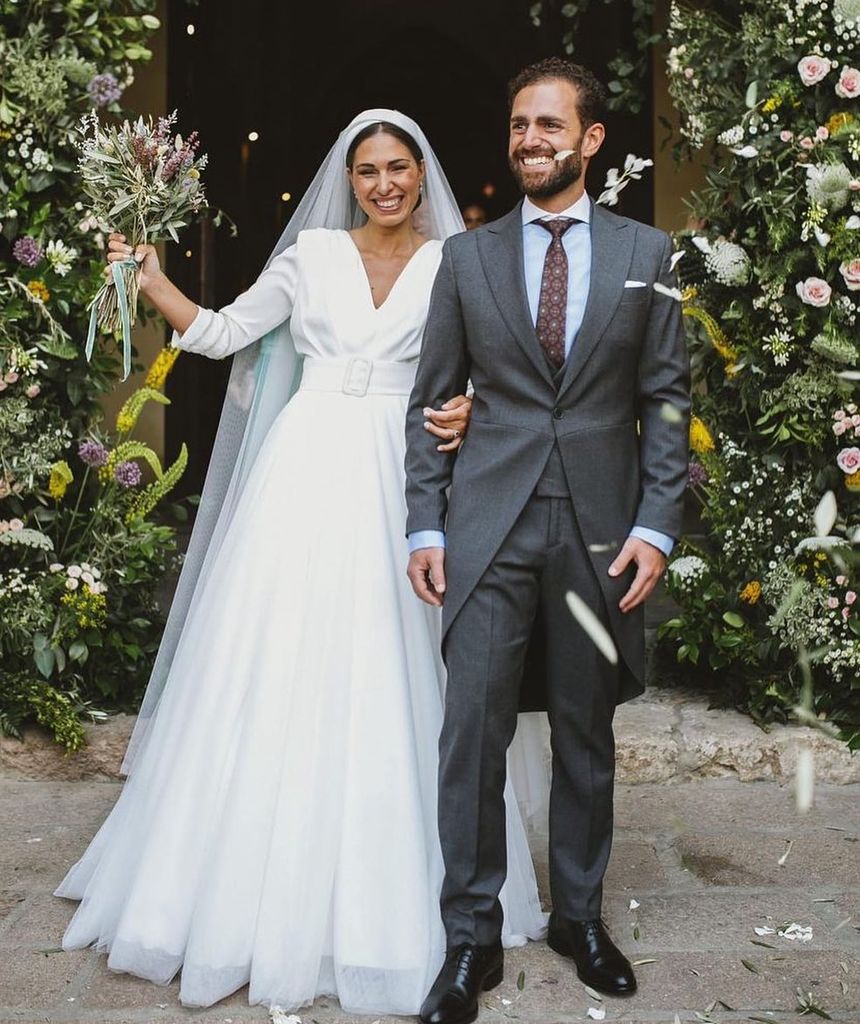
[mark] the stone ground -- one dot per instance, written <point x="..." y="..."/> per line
<point x="700" y="855"/>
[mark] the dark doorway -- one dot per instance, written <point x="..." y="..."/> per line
<point x="296" y="74"/>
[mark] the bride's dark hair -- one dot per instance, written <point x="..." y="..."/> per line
<point x="384" y="128"/>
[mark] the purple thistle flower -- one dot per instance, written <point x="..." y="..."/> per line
<point x="697" y="475"/>
<point x="104" y="90"/>
<point x="27" y="251"/>
<point x="93" y="453"/>
<point x="127" y="474"/>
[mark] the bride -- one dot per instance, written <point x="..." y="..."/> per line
<point x="278" y="826"/>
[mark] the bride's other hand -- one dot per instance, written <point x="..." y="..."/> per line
<point x="145" y="256"/>
<point x="450" y="422"/>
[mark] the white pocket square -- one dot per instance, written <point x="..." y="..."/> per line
<point x="635" y="284"/>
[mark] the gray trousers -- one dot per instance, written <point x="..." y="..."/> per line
<point x="540" y="560"/>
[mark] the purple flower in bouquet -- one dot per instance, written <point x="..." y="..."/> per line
<point x="127" y="474"/>
<point x="27" y="251"/>
<point x="93" y="453"/>
<point x="697" y="475"/>
<point x="104" y="90"/>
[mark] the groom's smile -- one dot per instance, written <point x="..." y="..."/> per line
<point x="548" y="148"/>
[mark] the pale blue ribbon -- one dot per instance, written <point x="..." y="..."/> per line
<point x="122" y="299"/>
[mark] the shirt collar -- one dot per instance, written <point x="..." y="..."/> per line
<point x="580" y="210"/>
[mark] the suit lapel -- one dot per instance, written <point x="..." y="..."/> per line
<point x="611" y="253"/>
<point x="501" y="251"/>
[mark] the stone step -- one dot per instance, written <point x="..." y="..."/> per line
<point x="664" y="735"/>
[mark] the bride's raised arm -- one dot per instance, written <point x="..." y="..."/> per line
<point x="268" y="302"/>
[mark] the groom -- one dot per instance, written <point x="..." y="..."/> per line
<point x="571" y="479"/>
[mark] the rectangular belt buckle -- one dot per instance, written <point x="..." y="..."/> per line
<point x="356" y="379"/>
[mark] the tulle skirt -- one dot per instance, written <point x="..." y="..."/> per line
<point x="279" y="826"/>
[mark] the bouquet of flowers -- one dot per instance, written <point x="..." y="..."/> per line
<point x="143" y="179"/>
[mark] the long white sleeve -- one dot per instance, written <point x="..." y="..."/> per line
<point x="267" y="303"/>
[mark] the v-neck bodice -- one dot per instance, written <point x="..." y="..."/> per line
<point x="334" y="316"/>
<point x="404" y="272"/>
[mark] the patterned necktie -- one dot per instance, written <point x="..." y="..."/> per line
<point x="552" y="307"/>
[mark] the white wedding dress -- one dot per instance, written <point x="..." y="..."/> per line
<point x="279" y="827"/>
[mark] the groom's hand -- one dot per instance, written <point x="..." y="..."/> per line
<point x="650" y="566"/>
<point x="426" y="573"/>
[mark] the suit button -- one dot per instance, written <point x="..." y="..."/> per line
<point x="557" y="413"/>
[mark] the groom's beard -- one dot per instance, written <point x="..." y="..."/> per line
<point x="562" y="174"/>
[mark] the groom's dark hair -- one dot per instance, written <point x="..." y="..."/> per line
<point x="591" y="95"/>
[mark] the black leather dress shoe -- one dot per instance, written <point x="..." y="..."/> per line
<point x="599" y="962"/>
<point x="467" y="972"/>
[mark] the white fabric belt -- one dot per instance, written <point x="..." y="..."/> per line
<point x="358" y="376"/>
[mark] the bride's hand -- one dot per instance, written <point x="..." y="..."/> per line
<point x="145" y="256"/>
<point x="450" y="422"/>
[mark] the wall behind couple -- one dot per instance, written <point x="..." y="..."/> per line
<point x="295" y="74"/>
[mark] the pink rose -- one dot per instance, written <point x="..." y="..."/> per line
<point x="806" y="142"/>
<point x="841" y="580"/>
<point x="848" y="460"/>
<point x="11" y="377"/>
<point x="16" y="524"/>
<point x="845" y="613"/>
<point x="832" y="602"/>
<point x="854" y="185"/>
<point x="850" y="271"/>
<point x="814" y="291"/>
<point x="688" y="73"/>
<point x="839" y="428"/>
<point x="785" y="135"/>
<point x="848" y="86"/>
<point x="839" y="414"/>
<point x="32" y="391"/>
<point x="855" y="420"/>
<point x="822" y="134"/>
<point x="850" y="597"/>
<point x="813" y="69"/>
<point x="857" y="431"/>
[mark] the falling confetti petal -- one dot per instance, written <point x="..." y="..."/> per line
<point x="634" y="905"/>
<point x="676" y="259"/>
<point x="595" y="1013"/>
<point x="673" y="293"/>
<point x="825" y="515"/>
<point x="594" y="995"/>
<point x="563" y="154"/>
<point x="788" y="845"/>
<point x="668" y="412"/>
<point x="593" y="627"/>
<point x="804" y="779"/>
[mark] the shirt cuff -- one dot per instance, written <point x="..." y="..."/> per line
<point x="661" y="541"/>
<point x="426" y="539"/>
<point x="198" y="326"/>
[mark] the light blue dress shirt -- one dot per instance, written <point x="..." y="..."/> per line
<point x="577" y="245"/>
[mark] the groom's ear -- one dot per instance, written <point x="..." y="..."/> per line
<point x="593" y="139"/>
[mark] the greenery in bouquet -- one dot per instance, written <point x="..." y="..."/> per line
<point x="771" y="276"/>
<point x="143" y="179"/>
<point x="66" y="649"/>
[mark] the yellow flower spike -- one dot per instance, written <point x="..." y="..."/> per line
<point x="39" y="289"/>
<point x="61" y="477"/>
<point x="161" y="367"/>
<point x="839" y="121"/>
<point x="751" y="592"/>
<point x="852" y="481"/>
<point x="701" y="440"/>
<point x="717" y="337"/>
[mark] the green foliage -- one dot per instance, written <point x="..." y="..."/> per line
<point x="772" y="298"/>
<point x="630" y="70"/>
<point x="79" y="575"/>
